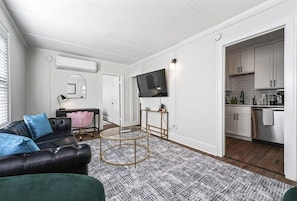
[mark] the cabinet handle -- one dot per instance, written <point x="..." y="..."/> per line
<point x="239" y="69"/>
<point x="274" y="82"/>
<point x="270" y="83"/>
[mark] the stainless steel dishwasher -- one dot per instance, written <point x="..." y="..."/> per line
<point x="270" y="133"/>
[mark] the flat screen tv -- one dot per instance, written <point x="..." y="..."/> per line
<point x="152" y="84"/>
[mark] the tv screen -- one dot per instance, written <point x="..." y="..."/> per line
<point x="152" y="84"/>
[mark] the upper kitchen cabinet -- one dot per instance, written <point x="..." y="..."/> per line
<point x="241" y="62"/>
<point x="278" y="59"/>
<point x="269" y="66"/>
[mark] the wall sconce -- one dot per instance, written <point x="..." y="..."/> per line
<point x="172" y="63"/>
<point x="61" y="98"/>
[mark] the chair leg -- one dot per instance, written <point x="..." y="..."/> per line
<point x="81" y="134"/>
<point x="91" y="134"/>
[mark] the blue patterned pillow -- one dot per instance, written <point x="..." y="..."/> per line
<point x="14" y="144"/>
<point x="38" y="125"/>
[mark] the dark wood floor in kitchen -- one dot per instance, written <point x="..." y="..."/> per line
<point x="266" y="156"/>
<point x="264" y="159"/>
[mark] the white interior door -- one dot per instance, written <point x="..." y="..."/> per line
<point x="111" y="98"/>
<point x="116" y="100"/>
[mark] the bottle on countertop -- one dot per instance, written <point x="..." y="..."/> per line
<point x="227" y="100"/>
<point x="232" y="100"/>
<point x="241" y="100"/>
<point x="254" y="100"/>
<point x="235" y="100"/>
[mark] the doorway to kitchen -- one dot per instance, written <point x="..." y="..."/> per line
<point x="254" y="73"/>
<point x="111" y="101"/>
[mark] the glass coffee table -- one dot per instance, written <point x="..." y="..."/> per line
<point x="124" y="145"/>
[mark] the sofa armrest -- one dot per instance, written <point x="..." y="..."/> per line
<point x="60" y="160"/>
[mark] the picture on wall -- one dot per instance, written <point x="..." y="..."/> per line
<point x="71" y="88"/>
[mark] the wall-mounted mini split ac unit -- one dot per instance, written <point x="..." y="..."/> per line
<point x="68" y="63"/>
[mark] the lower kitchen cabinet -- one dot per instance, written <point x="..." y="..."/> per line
<point x="238" y="122"/>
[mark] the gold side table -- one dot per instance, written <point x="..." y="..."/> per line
<point x="125" y="136"/>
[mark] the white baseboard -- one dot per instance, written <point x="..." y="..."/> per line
<point x="201" y="146"/>
<point x="239" y="137"/>
<point x="130" y="123"/>
<point x="106" y="118"/>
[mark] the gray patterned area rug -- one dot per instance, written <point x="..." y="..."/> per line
<point x="176" y="173"/>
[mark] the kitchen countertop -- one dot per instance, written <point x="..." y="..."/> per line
<point x="245" y="105"/>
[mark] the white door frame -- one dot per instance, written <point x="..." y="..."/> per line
<point x="290" y="129"/>
<point x="135" y="103"/>
<point x="121" y="117"/>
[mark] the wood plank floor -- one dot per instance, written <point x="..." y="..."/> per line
<point x="263" y="159"/>
<point x="267" y="156"/>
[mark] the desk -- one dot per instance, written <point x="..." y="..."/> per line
<point x="62" y="113"/>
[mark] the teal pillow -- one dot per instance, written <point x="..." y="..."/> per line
<point x="38" y="125"/>
<point x="15" y="144"/>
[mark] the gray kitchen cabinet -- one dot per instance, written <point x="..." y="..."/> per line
<point x="238" y="122"/>
<point x="230" y="123"/>
<point x="278" y="59"/>
<point x="241" y="62"/>
<point x="269" y="66"/>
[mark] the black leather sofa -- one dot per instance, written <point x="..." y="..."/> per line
<point x="59" y="151"/>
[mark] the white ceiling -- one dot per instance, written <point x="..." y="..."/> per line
<point x="122" y="31"/>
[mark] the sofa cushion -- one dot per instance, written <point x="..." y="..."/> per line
<point x="38" y="125"/>
<point x="54" y="141"/>
<point x="15" y="144"/>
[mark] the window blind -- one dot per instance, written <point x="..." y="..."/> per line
<point x="4" y="96"/>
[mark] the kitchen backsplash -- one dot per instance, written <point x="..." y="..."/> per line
<point x="246" y="83"/>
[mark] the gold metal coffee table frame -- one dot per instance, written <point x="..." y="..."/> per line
<point x="121" y="135"/>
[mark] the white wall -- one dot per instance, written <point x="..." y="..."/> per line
<point x="45" y="82"/>
<point x="197" y="100"/>
<point x="192" y="91"/>
<point x="17" y="59"/>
